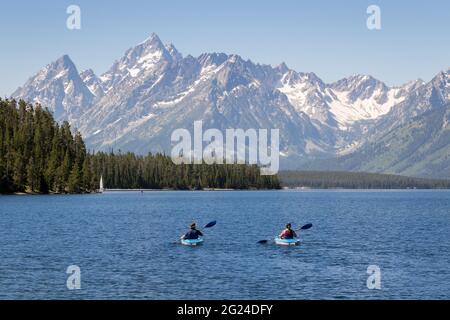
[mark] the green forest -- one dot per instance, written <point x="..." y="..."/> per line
<point x="356" y="180"/>
<point x="38" y="155"/>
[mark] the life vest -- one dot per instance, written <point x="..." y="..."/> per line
<point x="287" y="234"/>
<point x="192" y="234"/>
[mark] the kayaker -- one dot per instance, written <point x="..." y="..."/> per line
<point x="193" y="233"/>
<point x="288" y="233"/>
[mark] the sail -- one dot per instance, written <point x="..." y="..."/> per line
<point x="101" y="189"/>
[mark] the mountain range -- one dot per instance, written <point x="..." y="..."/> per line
<point x="357" y="123"/>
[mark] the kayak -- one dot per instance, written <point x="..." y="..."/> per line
<point x="287" y="242"/>
<point x="192" y="242"/>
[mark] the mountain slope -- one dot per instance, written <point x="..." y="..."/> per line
<point x="412" y="139"/>
<point x="93" y="83"/>
<point x="420" y="147"/>
<point x="58" y="87"/>
<point x="423" y="98"/>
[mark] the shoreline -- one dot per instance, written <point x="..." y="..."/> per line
<point x="229" y="190"/>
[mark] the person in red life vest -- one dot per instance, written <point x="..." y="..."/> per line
<point x="288" y="233"/>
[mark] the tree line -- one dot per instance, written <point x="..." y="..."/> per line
<point x="39" y="155"/>
<point x="356" y="180"/>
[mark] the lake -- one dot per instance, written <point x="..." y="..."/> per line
<point x="126" y="247"/>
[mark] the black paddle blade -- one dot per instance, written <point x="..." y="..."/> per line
<point x="263" y="241"/>
<point x="306" y="226"/>
<point x="211" y="224"/>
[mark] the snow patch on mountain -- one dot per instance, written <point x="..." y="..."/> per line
<point x="94" y="84"/>
<point x="346" y="111"/>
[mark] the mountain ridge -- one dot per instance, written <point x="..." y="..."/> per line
<point x="153" y="89"/>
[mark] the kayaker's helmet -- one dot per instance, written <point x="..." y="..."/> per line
<point x="288" y="226"/>
<point x="193" y="225"/>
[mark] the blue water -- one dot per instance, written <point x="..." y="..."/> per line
<point x="125" y="245"/>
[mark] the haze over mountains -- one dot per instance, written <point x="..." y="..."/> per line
<point x="357" y="123"/>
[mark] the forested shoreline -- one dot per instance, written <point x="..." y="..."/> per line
<point x="38" y="155"/>
<point x="356" y="180"/>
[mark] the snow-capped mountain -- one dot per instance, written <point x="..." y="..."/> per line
<point x="222" y="90"/>
<point x="425" y="97"/>
<point x="144" y="61"/>
<point x="59" y="87"/>
<point x="413" y="138"/>
<point x="341" y="104"/>
<point x="153" y="90"/>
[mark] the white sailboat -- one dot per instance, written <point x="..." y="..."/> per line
<point x="101" y="189"/>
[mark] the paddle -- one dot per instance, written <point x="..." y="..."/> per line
<point x="210" y="225"/>
<point x="305" y="227"/>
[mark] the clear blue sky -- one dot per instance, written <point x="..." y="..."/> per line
<point x="329" y="38"/>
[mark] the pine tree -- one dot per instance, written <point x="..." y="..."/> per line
<point x="32" y="176"/>
<point x="74" y="181"/>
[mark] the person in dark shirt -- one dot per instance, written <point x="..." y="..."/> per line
<point x="193" y="233"/>
<point x="288" y="233"/>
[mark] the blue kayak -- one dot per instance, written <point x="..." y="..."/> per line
<point x="287" y="242"/>
<point x="192" y="242"/>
